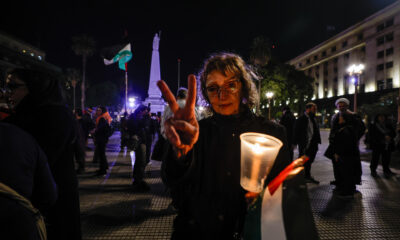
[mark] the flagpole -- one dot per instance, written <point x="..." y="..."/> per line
<point x="126" y="85"/>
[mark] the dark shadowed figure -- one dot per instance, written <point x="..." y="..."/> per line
<point x="40" y="110"/>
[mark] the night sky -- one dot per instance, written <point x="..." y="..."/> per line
<point x="191" y="30"/>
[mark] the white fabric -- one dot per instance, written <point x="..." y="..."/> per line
<point x="272" y="225"/>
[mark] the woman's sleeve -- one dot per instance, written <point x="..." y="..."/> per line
<point x="176" y="170"/>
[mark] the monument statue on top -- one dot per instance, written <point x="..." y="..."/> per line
<point x="154" y="94"/>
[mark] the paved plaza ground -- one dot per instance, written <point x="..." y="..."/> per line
<point x="110" y="210"/>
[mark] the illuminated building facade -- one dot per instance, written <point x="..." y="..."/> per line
<point x="373" y="42"/>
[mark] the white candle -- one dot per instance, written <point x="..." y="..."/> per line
<point x="258" y="153"/>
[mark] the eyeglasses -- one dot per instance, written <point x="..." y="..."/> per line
<point x="228" y="88"/>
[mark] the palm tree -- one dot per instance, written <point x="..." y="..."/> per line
<point x="260" y="54"/>
<point x="84" y="46"/>
<point x="73" y="78"/>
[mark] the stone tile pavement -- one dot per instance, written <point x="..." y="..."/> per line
<point x="110" y="210"/>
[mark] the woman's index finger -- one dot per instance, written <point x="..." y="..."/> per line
<point x="192" y="92"/>
<point x="169" y="97"/>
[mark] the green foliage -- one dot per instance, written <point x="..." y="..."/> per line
<point x="104" y="93"/>
<point x="290" y="87"/>
<point x="260" y="52"/>
<point x="386" y="104"/>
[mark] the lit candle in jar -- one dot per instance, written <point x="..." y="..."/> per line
<point x="258" y="153"/>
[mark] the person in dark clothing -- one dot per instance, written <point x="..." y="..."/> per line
<point x="382" y="144"/>
<point x="79" y="146"/>
<point x="24" y="169"/>
<point x="137" y="142"/>
<point x="124" y="131"/>
<point x="100" y="140"/>
<point x="150" y="130"/>
<point x="346" y="130"/>
<point x="40" y="110"/>
<point x="288" y="120"/>
<point x="307" y="137"/>
<point x="88" y="124"/>
<point x="203" y="159"/>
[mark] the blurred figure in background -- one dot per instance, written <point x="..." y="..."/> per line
<point x="100" y="137"/>
<point x="382" y="135"/>
<point x="40" y="109"/>
<point x="288" y="120"/>
<point x="307" y="136"/>
<point x="79" y="146"/>
<point x="124" y="131"/>
<point x="137" y="143"/>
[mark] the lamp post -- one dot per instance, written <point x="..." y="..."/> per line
<point x="355" y="70"/>
<point x="269" y="96"/>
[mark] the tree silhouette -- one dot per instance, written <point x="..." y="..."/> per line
<point x="84" y="46"/>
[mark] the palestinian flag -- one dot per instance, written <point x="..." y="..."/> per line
<point x="122" y="57"/>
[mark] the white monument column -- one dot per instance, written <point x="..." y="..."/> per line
<point x="154" y="94"/>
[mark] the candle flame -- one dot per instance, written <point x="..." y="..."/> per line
<point x="256" y="148"/>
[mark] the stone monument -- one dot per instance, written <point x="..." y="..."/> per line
<point x="154" y="94"/>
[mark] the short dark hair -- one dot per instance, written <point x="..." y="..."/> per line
<point x="182" y="93"/>
<point x="310" y="105"/>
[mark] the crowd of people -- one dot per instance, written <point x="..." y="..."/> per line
<point x="46" y="143"/>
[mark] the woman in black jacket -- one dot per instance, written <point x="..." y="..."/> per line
<point x="40" y="109"/>
<point x="203" y="163"/>
<point x="382" y="144"/>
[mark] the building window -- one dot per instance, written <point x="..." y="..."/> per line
<point x="317" y="75"/>
<point x="316" y="57"/>
<point x="299" y="64"/>
<point x="389" y="83"/>
<point x="346" y="56"/>
<point x="308" y="60"/>
<point x="389" y="37"/>
<point x="360" y="36"/>
<point x="325" y="83"/>
<point x="344" y="44"/>
<point x="380" y="67"/>
<point x="363" y="49"/>
<point x="380" y="41"/>
<point x="389" y="22"/>
<point x="309" y="71"/>
<point x="326" y="72"/>
<point x="389" y="64"/>
<point x="324" y="53"/>
<point x="389" y="51"/>
<point x="335" y="79"/>
<point x="335" y="92"/>
<point x="380" y="27"/>
<point x="380" y="84"/>
<point x="335" y="60"/>
<point x="380" y="54"/>
<point x="333" y="49"/>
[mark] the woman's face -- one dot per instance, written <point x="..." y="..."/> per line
<point x="224" y="92"/>
<point x="98" y="111"/>
<point x="18" y="90"/>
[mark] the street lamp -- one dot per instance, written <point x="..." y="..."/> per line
<point x="269" y="96"/>
<point x="355" y="70"/>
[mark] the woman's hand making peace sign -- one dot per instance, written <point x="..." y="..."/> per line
<point x="182" y="130"/>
